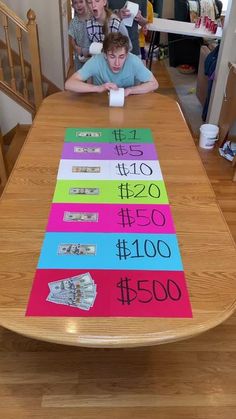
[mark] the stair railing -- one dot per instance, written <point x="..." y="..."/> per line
<point x="30" y="29"/>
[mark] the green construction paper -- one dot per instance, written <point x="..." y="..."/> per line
<point x="109" y="135"/>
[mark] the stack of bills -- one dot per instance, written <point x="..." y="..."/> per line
<point x="78" y="291"/>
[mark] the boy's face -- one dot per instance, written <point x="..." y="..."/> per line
<point x="79" y="6"/>
<point x="116" y="59"/>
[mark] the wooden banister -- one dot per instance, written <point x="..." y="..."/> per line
<point x="31" y="30"/>
<point x="9" y="52"/>
<point x="35" y="58"/>
<point x="19" y="39"/>
<point x="12" y="16"/>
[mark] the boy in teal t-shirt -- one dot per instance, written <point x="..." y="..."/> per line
<point x="114" y="68"/>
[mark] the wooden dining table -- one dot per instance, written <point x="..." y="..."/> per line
<point x="206" y="245"/>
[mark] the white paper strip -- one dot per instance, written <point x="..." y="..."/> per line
<point x="133" y="8"/>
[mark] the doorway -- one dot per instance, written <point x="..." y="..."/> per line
<point x="66" y="15"/>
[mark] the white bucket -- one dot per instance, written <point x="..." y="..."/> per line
<point x="208" y="135"/>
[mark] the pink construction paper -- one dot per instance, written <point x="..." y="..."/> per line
<point x="170" y="302"/>
<point x="111" y="218"/>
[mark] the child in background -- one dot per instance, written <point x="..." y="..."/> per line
<point x="143" y="31"/>
<point x="103" y="21"/>
<point x="119" y="7"/>
<point x="78" y="33"/>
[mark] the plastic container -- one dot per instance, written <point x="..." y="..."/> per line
<point x="208" y="135"/>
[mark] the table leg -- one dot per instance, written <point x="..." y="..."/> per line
<point x="150" y="50"/>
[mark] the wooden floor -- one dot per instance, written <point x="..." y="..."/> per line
<point x="193" y="379"/>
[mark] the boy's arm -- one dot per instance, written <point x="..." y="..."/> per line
<point x="75" y="46"/>
<point x="143" y="76"/>
<point x="76" y="84"/>
<point x="146" y="87"/>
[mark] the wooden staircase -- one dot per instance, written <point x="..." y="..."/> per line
<point x="20" y="79"/>
<point x="15" y="72"/>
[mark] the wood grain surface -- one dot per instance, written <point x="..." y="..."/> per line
<point x="207" y="248"/>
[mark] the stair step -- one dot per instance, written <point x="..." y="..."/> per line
<point x="15" y="146"/>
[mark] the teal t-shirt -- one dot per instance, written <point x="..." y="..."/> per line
<point x="132" y="73"/>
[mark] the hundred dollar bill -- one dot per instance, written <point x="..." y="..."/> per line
<point x="75" y="292"/>
<point x="73" y="289"/>
<point x="54" y="299"/>
<point x="77" y="298"/>
<point x="84" y="191"/>
<point x="82" y="303"/>
<point x="82" y="306"/>
<point x="84" y="280"/>
<point x="80" y="216"/>
<point x="84" y="300"/>
<point x="88" y="134"/>
<point x="78" y="291"/>
<point x="86" y="169"/>
<point x="76" y="249"/>
<point x="87" y="150"/>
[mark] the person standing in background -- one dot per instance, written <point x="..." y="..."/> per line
<point x="103" y="21"/>
<point x="118" y="7"/>
<point x="78" y="33"/>
<point x="143" y="31"/>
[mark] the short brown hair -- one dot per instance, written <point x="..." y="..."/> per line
<point x="114" y="41"/>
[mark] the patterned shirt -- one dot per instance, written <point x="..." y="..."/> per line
<point x="95" y="29"/>
<point x="77" y="30"/>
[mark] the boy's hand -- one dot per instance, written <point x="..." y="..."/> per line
<point x="127" y="91"/>
<point x="107" y="87"/>
<point x="78" y="50"/>
<point x="124" y="12"/>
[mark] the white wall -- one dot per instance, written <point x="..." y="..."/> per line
<point x="225" y="5"/>
<point x="167" y="13"/>
<point x="227" y="53"/>
<point x="168" y="9"/>
<point x="49" y="30"/>
<point x="11" y="114"/>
